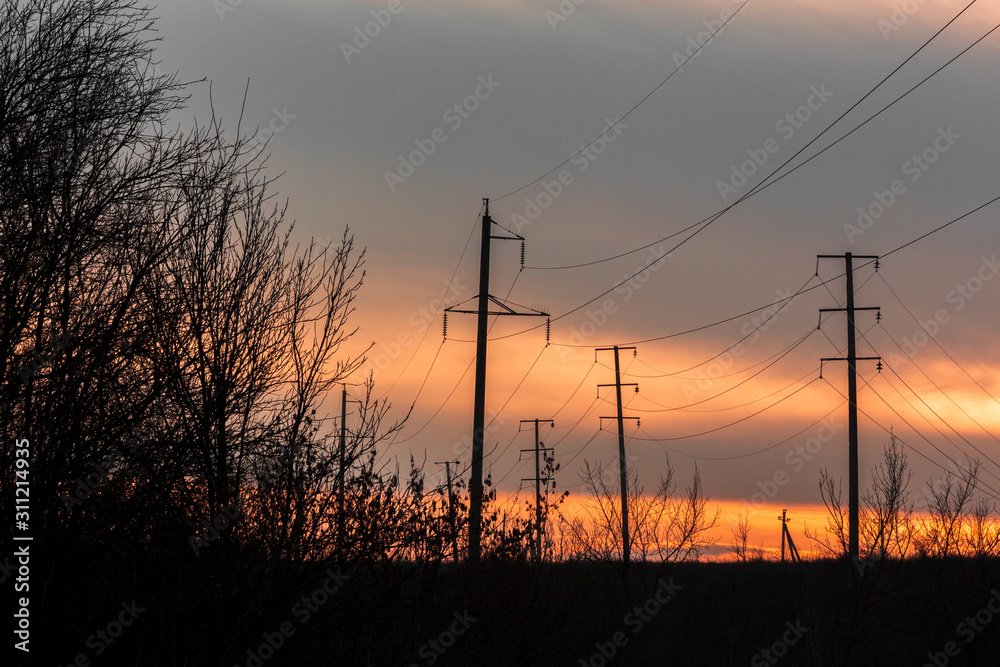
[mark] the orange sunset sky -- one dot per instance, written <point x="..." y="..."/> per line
<point x="744" y="416"/>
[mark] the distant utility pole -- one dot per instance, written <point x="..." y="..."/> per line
<point x="479" y="417"/>
<point x="786" y="534"/>
<point x="451" y="508"/>
<point x="622" y="465"/>
<point x="340" y="476"/>
<point x="538" y="479"/>
<point x="852" y="388"/>
<point x="341" y="514"/>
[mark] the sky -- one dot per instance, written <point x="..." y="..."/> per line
<point x="400" y="132"/>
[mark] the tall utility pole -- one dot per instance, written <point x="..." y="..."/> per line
<point x="785" y="533"/>
<point x="482" y="329"/>
<point x="622" y="465"/>
<point x="538" y="483"/>
<point x="451" y="508"/>
<point x="852" y="388"/>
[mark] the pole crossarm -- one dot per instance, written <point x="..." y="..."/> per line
<point x="823" y="360"/>
<point x="623" y="384"/>
<point x="616" y="417"/>
<point x="506" y="310"/>
<point x="842" y="257"/>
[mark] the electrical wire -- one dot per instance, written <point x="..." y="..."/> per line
<point x="912" y="448"/>
<point x="935" y="341"/>
<point x="738" y="421"/>
<point x="755" y="452"/>
<point x="677" y="69"/>
<point x="766" y="183"/>
<point x="943" y="421"/>
<point x="436" y="310"/>
<point x="667" y="408"/>
<point x="745" y="380"/>
<point x="936" y="386"/>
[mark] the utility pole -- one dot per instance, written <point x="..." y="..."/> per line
<point x="340" y="476"/>
<point x="622" y="465"/>
<point x="483" y="313"/>
<point x="538" y="484"/>
<point x="852" y="388"/>
<point x="451" y="508"/>
<point x="785" y="533"/>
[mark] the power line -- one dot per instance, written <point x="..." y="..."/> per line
<point x="585" y="376"/>
<point x="943" y="421"/>
<point x="436" y="311"/>
<point x="667" y="408"/>
<point x="936" y="386"/>
<point x="745" y="380"/>
<point x="634" y="107"/>
<point x="935" y="341"/>
<point x="889" y="431"/>
<point x="755" y="452"/>
<point x="738" y="421"/>
<point x="662" y="374"/>
<point x="766" y="184"/>
<point x="471" y="362"/>
<point x="749" y="334"/>
<point x="932" y="424"/>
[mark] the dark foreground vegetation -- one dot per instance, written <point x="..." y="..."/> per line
<point x="512" y="613"/>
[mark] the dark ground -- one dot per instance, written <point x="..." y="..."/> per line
<point x="205" y="612"/>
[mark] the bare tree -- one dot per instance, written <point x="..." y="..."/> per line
<point x="835" y="540"/>
<point x="740" y="545"/>
<point x="661" y="526"/>
<point x="983" y="540"/>
<point x="887" y="521"/>
<point x="949" y="508"/>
